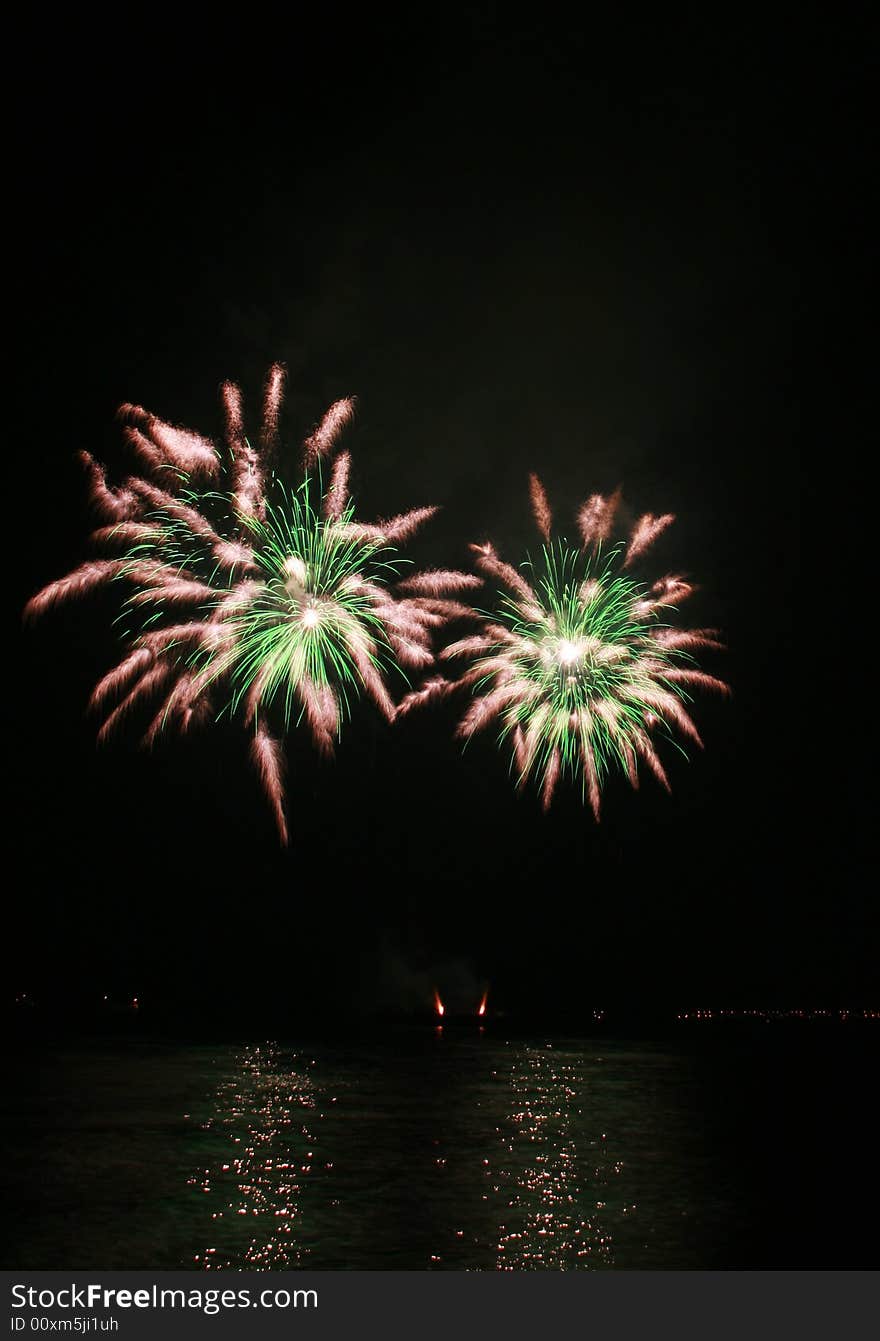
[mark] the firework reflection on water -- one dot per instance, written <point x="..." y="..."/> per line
<point x="270" y="1115"/>
<point x="555" y="1185"/>
<point x="452" y="1153"/>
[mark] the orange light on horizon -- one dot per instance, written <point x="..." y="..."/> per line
<point x="438" y="1004"/>
<point x="482" y="1010"/>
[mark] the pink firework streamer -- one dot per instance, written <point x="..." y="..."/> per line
<point x="267" y="756"/>
<point x="410" y="653"/>
<point x="254" y="699"/>
<point x="596" y="518"/>
<point x="689" y="639"/>
<point x="668" y="592"/>
<point x="530" y="738"/>
<point x="372" y="680"/>
<point x="164" y="444"/>
<point x="147" y="685"/>
<point x="479" y="715"/>
<point x="237" y="598"/>
<point x="519" y="751"/>
<point x="160" y="640"/>
<point x="326" y="435"/>
<point x="666" y="704"/>
<point x="649" y="754"/>
<point x="232" y="554"/>
<point x="438" y="582"/>
<point x="403" y="527"/>
<point x="75" y="584"/>
<point x="483" y="710"/>
<point x="551" y="777"/>
<point x="187" y="451"/>
<point x="412" y="613"/>
<point x="120" y="676"/>
<point x="540" y="507"/>
<point x="632" y="771"/>
<point x="246" y="470"/>
<point x="273" y="394"/>
<point x="336" y="497"/>
<point x="115" y="504"/>
<point x="684" y="675"/>
<point x="464" y="647"/>
<point x="176" y="704"/>
<point x="362" y="531"/>
<point x="445" y="610"/>
<point x="644" y="533"/>
<point x="671" y="589"/>
<point x="322" y="712"/>
<point x="431" y="692"/>
<point x="175" y="507"/>
<point x="233" y="415"/>
<point x="488" y="561"/>
<point x="248" y="482"/>
<point x="175" y="589"/>
<point x="589" y="762"/>
<point x="126" y="533"/>
<point x="146" y="451"/>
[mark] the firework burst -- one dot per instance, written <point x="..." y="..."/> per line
<point x="272" y="604"/>
<point x="578" y="668"/>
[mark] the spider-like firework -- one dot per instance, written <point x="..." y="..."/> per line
<point x="270" y="603"/>
<point x="578" y="666"/>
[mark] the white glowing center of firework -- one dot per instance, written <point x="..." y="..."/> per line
<point x="567" y="653"/>
<point x="295" y="568"/>
<point x="310" y="617"/>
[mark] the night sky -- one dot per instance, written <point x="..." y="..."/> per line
<point x="609" y="257"/>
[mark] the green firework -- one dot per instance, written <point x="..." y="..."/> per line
<point x="579" y="668"/>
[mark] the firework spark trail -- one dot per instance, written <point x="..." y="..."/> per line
<point x="320" y="707"/>
<point x="268" y="757"/>
<point x="120" y="676"/>
<point x="439" y="581"/>
<point x="174" y="588"/>
<point x="273" y="395"/>
<point x="78" y="583"/>
<point x="596" y="518"/>
<point x="125" y="533"/>
<point x="577" y="669"/>
<point x="405" y="525"/>
<point x="445" y="609"/>
<point x="431" y="692"/>
<point x="326" y="435"/>
<point x="117" y="504"/>
<point x="176" y="704"/>
<point x="644" y="533"/>
<point x="492" y="566"/>
<point x="147" y="452"/>
<point x="336" y="498"/>
<point x="277" y="600"/>
<point x="247" y="489"/>
<point x="233" y="554"/>
<point x="540" y="507"/>
<point x="689" y="639"/>
<point x="164" y="445"/>
<point x="150" y="681"/>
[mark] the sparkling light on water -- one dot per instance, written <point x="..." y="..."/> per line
<point x="547" y="1176"/>
<point x="270" y="1118"/>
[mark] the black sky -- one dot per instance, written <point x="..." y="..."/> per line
<point x="611" y="256"/>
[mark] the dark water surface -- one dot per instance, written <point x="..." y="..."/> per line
<point x="441" y="1150"/>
